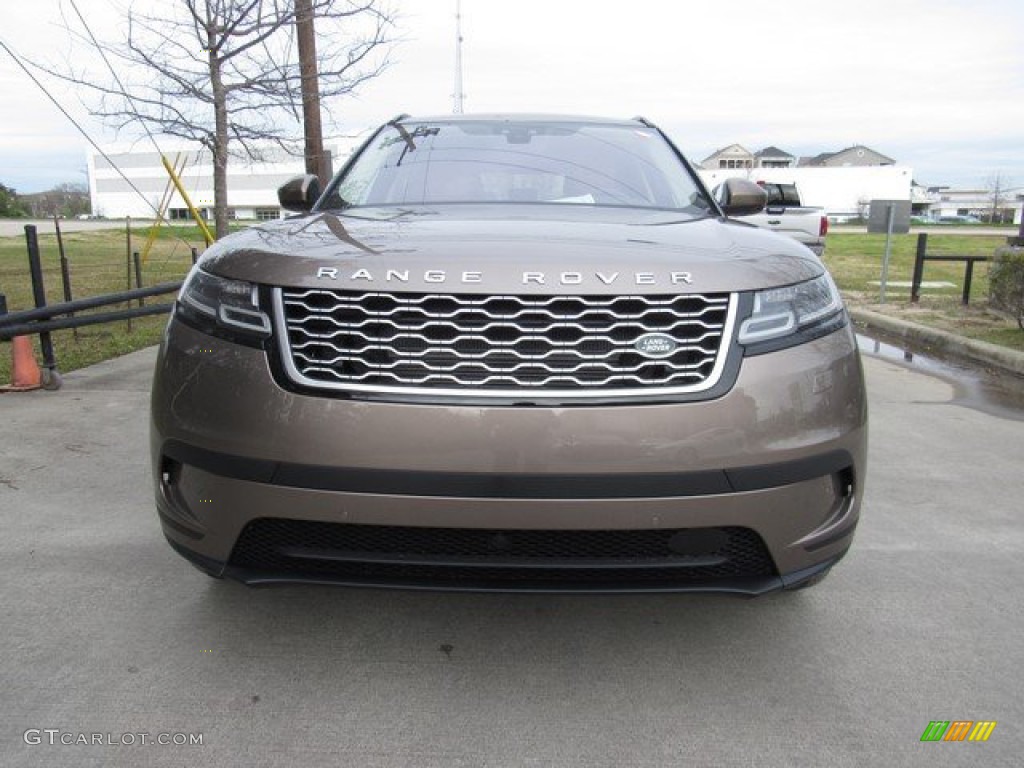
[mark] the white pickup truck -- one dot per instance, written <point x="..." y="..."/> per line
<point x="783" y="213"/>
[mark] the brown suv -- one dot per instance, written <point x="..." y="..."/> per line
<point x="511" y="353"/>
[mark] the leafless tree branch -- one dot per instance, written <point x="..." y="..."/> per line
<point x="219" y="72"/>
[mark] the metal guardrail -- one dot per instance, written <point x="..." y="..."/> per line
<point x="10" y="328"/>
<point x="44" y="319"/>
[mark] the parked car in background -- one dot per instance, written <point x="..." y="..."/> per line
<point x="959" y="219"/>
<point x="784" y="213"/>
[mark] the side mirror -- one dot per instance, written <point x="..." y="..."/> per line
<point x="300" y="193"/>
<point x="738" y="197"/>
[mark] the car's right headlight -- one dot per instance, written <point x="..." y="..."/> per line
<point x="793" y="314"/>
<point x="223" y="307"/>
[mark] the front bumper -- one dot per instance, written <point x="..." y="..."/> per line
<point x="237" y="458"/>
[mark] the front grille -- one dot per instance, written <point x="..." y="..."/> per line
<point x="502" y="345"/>
<point x="472" y="558"/>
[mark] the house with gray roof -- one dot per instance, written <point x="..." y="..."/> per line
<point x="732" y="156"/>
<point x="856" y="156"/>
<point x="773" y="157"/>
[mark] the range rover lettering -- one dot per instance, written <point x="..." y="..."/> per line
<point x="511" y="353"/>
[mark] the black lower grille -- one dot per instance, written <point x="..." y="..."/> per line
<point x="472" y="558"/>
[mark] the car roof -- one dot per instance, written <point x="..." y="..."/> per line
<point x="517" y="117"/>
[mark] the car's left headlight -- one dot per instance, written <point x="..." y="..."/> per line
<point x="791" y="315"/>
<point x="223" y="307"/>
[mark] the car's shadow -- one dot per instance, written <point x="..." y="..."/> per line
<point x="371" y="624"/>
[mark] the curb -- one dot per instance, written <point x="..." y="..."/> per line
<point x="1008" y="360"/>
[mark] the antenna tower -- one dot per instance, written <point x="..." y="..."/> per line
<point x="458" y="95"/>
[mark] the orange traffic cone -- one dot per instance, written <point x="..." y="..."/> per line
<point x="25" y="373"/>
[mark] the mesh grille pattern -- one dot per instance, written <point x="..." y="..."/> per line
<point x="513" y="558"/>
<point x="449" y="341"/>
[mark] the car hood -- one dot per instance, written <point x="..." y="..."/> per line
<point x="528" y="249"/>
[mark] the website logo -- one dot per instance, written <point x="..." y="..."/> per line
<point x="958" y="730"/>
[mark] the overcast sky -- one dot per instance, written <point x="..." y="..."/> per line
<point x="938" y="85"/>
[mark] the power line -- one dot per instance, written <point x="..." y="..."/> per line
<point x="74" y="122"/>
<point x="120" y="85"/>
<point x="131" y="105"/>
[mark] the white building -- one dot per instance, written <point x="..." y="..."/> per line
<point x="252" y="186"/>
<point x="948" y="202"/>
<point x="844" y="192"/>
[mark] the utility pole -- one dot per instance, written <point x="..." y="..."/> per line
<point x="318" y="162"/>
<point x="458" y="95"/>
<point x="1019" y="239"/>
<point x="996" y="188"/>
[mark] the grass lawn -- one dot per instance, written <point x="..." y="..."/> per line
<point x="855" y="261"/>
<point x="98" y="264"/>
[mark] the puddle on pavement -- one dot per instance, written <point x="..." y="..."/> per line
<point x="993" y="392"/>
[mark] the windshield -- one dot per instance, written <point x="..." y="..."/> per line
<point x="501" y="161"/>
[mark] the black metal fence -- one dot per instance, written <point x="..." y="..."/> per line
<point x="922" y="256"/>
<point x="44" y="318"/>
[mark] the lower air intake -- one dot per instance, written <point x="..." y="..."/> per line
<point x="517" y="560"/>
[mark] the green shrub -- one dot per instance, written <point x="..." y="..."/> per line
<point x="1006" y="282"/>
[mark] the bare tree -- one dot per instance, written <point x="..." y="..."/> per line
<point x="68" y="199"/>
<point x="226" y="73"/>
<point x="998" y="187"/>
